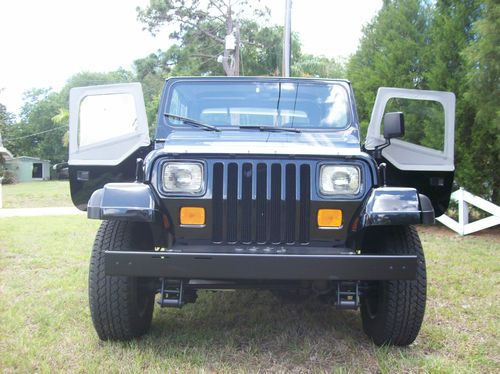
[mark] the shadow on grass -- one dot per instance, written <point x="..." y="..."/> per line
<point x="229" y="329"/>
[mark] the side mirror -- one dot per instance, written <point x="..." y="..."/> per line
<point x="394" y="125"/>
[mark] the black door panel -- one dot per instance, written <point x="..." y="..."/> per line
<point x="436" y="185"/>
<point x="85" y="179"/>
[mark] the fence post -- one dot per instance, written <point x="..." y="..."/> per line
<point x="463" y="227"/>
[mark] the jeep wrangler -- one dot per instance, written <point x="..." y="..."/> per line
<point x="258" y="182"/>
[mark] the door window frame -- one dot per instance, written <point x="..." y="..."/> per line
<point x="405" y="155"/>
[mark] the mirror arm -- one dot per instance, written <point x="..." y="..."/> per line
<point x="382" y="169"/>
<point x="377" y="151"/>
<point x="139" y="170"/>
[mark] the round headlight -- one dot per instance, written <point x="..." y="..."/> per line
<point x="183" y="177"/>
<point x="339" y="180"/>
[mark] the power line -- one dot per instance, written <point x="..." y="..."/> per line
<point x="37" y="133"/>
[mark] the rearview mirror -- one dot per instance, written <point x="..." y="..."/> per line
<point x="394" y="125"/>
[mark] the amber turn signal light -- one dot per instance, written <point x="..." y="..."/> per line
<point x="192" y="215"/>
<point x="330" y="218"/>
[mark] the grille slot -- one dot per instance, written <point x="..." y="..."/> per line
<point x="305" y="203"/>
<point x="246" y="204"/>
<point x="264" y="202"/>
<point x="290" y="204"/>
<point x="232" y="203"/>
<point x="275" y="211"/>
<point x="261" y="203"/>
<point x="217" y="206"/>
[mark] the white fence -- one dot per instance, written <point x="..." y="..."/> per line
<point x="463" y="227"/>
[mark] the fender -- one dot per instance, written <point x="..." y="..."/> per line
<point x="124" y="201"/>
<point x="396" y="206"/>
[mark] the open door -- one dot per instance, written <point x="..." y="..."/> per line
<point x="108" y="132"/>
<point x="424" y="157"/>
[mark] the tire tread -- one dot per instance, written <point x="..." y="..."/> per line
<point x="113" y="298"/>
<point x="403" y="300"/>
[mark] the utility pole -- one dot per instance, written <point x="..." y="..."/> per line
<point x="231" y="58"/>
<point x="287" y="38"/>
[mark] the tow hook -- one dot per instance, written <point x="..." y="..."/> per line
<point x="347" y="295"/>
<point x="173" y="294"/>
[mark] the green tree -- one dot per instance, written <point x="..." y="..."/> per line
<point x="318" y="66"/>
<point x="151" y="71"/>
<point x="449" y="45"/>
<point x="87" y="78"/>
<point x="5" y="117"/>
<point x="213" y="23"/>
<point x="6" y="120"/>
<point x="450" y="33"/>
<point x="392" y="52"/>
<point x="481" y="156"/>
<point x="263" y="52"/>
<point x="35" y="134"/>
<point x="62" y="118"/>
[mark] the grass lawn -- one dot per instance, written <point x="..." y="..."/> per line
<point x="37" y="194"/>
<point x="45" y="322"/>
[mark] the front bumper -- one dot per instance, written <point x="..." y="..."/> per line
<point x="306" y="263"/>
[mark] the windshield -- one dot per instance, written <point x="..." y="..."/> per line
<point x="314" y="105"/>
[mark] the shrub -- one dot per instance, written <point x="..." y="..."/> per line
<point x="8" y="177"/>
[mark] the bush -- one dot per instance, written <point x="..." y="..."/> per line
<point x="8" y="177"/>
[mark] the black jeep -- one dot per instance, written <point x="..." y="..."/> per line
<point x="258" y="183"/>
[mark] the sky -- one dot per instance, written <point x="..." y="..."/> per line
<point x="46" y="42"/>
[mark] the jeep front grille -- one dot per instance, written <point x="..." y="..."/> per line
<point x="261" y="202"/>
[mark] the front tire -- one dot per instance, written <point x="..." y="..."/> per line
<point x="121" y="307"/>
<point x="392" y="311"/>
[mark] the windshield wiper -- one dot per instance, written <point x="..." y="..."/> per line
<point x="270" y="128"/>
<point x="192" y="122"/>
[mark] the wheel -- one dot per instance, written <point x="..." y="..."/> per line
<point x="392" y="311"/>
<point x="121" y="307"/>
